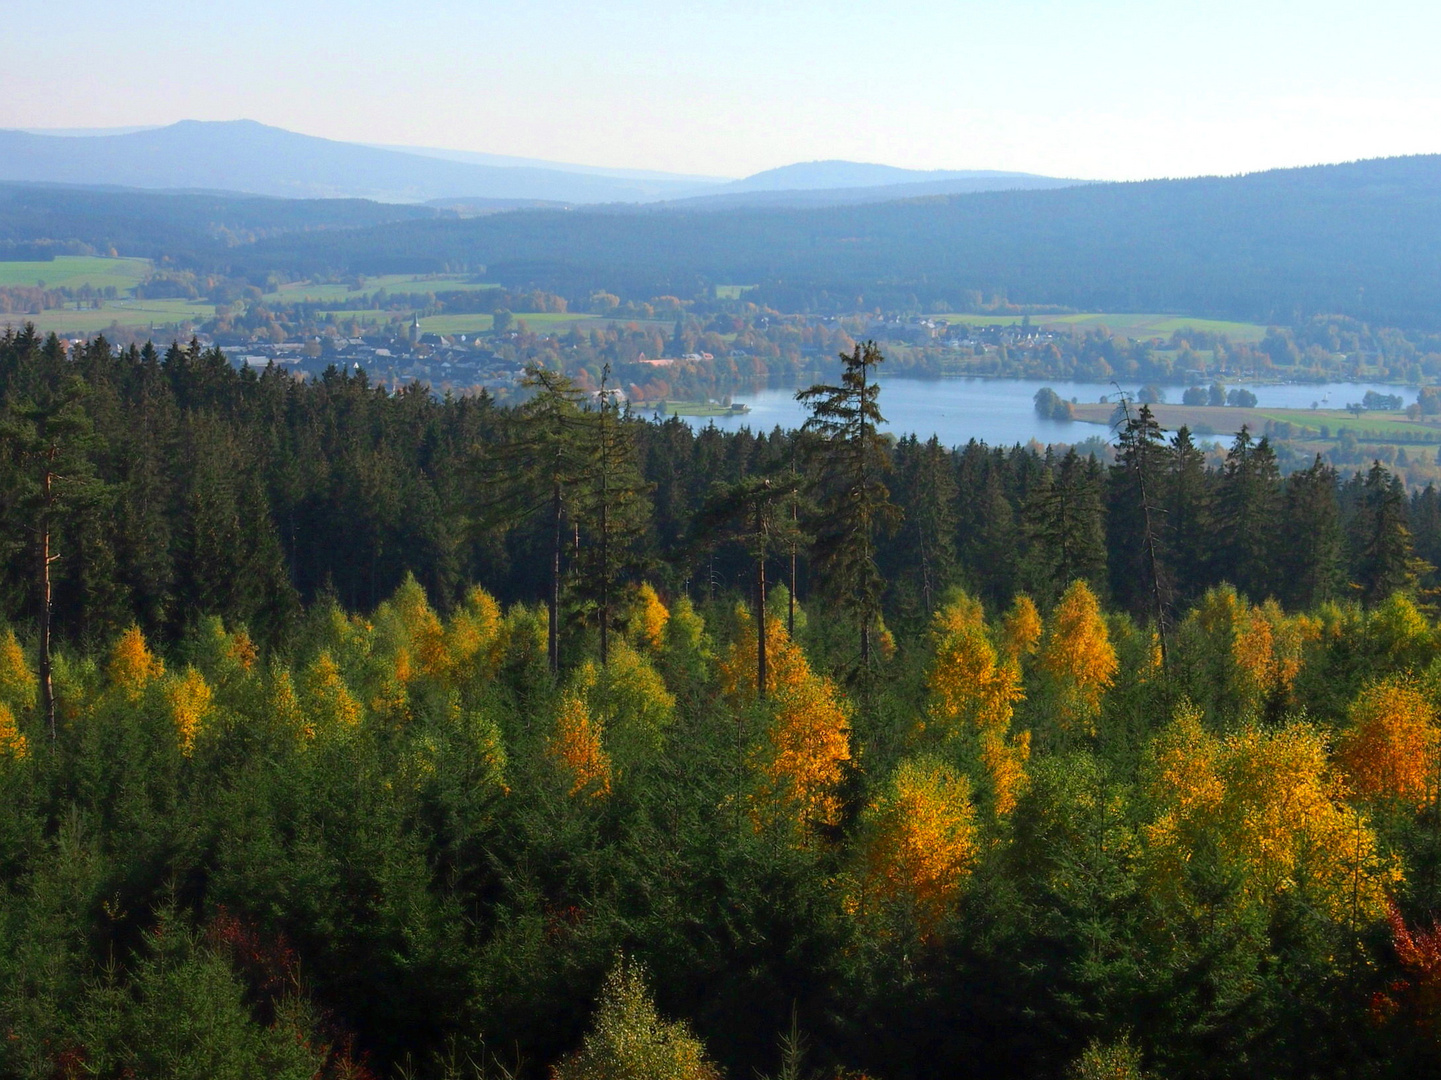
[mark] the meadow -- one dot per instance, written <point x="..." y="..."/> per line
<point x="1140" y="326"/>
<point x="75" y="272"/>
<point x="131" y="314"/>
<point x="308" y="292"/>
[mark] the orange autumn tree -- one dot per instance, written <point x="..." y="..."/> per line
<point x="576" y="748"/>
<point x="1388" y="750"/>
<point x="920" y="842"/>
<point x="132" y="666"/>
<point x="1021" y="628"/>
<point x="1077" y="660"/>
<point x="973" y="692"/>
<point x="804" y="742"/>
<point x="1263" y="809"/>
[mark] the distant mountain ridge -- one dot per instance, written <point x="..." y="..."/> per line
<point x="250" y="158"/>
<point x="821" y="175"/>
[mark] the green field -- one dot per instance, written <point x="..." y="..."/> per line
<point x="368" y="318"/>
<point x="132" y="314"/>
<point x="732" y="292"/>
<point x="1136" y="326"/>
<point x="75" y="272"/>
<point x="1225" y="420"/>
<point x="694" y="408"/>
<point x="305" y="292"/>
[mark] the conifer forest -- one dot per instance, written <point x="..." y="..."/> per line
<point x="360" y="734"/>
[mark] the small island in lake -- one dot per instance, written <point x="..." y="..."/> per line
<point x="699" y="408"/>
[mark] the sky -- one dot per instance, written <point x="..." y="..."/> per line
<point x="1113" y="90"/>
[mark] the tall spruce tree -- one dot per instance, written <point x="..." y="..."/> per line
<point x="1312" y="546"/>
<point x="1190" y="517"/>
<point x="614" y="509"/>
<point x="1249" y="517"/>
<point x="1065" y="526"/>
<point x="1139" y="570"/>
<point x="535" y="471"/>
<point x="851" y="461"/>
<point x="925" y="547"/>
<point x="45" y="439"/>
<point x="1383" y="561"/>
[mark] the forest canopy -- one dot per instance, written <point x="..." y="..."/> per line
<point x="369" y="733"/>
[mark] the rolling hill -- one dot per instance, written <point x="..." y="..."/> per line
<point x="1362" y="239"/>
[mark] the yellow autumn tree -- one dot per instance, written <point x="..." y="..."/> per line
<point x="1265" y="807"/>
<point x="920" y="841"/>
<point x="649" y="617"/>
<point x="973" y="692"/>
<point x="472" y="639"/>
<point x="577" y="750"/>
<point x="189" y="698"/>
<point x="1389" y="748"/>
<point x="1077" y="659"/>
<point x="18" y="684"/>
<point x="1021" y="627"/>
<point x="325" y="697"/>
<point x="13" y="743"/>
<point x="804" y="743"/>
<point x="132" y="666"/>
<point x="629" y="1040"/>
<point x="282" y="704"/>
<point x="409" y="631"/>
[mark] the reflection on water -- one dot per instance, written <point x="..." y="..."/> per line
<point x="1002" y="411"/>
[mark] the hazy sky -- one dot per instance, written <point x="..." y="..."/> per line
<point x="1120" y="89"/>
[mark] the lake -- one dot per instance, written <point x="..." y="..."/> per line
<point x="1002" y="412"/>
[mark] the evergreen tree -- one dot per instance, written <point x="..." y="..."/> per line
<point x="614" y="512"/>
<point x="536" y="472"/>
<point x="1135" y="524"/>
<point x="1382" y="560"/>
<point x="924" y="551"/>
<point x="1190" y="518"/>
<point x="1249" y="517"/>
<point x="1064" y="520"/>
<point x="851" y="462"/>
<point x="1312" y="547"/>
<point x="45" y="439"/>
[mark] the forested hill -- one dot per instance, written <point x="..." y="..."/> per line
<point x="37" y="220"/>
<point x="1358" y="239"/>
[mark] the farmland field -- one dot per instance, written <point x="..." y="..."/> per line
<point x="76" y="271"/>
<point x="132" y="314"/>
<point x="732" y="292"/>
<point x="1137" y="326"/>
<point x="305" y="292"/>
